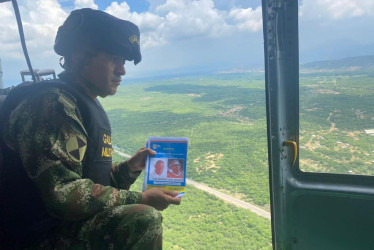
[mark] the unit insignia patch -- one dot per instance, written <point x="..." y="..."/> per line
<point x="76" y="147"/>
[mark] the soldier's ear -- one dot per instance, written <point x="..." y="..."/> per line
<point x="79" y="60"/>
<point x="82" y="58"/>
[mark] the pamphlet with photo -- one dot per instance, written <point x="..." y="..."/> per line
<point x="167" y="168"/>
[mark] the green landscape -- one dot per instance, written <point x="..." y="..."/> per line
<point x="337" y="116"/>
<point x="224" y="117"/>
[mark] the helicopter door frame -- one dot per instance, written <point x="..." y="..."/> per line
<point x="309" y="210"/>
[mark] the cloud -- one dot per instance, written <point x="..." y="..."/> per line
<point x="172" y="20"/>
<point x="78" y="4"/>
<point x="247" y="19"/>
<point x="149" y="23"/>
<point x="8" y="28"/>
<point x="176" y="20"/>
<point x="169" y="26"/>
<point x="186" y="19"/>
<point x="332" y="9"/>
<point x="39" y="27"/>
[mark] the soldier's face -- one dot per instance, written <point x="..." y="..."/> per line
<point x="103" y="74"/>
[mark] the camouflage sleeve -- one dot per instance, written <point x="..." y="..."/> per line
<point x="41" y="129"/>
<point x="122" y="177"/>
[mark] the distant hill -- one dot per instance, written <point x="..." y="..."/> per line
<point x="349" y="63"/>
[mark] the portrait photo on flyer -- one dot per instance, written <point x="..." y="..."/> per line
<point x="167" y="168"/>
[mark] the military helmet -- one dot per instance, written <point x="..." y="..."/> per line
<point x="95" y="29"/>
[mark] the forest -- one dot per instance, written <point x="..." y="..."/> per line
<point x="224" y="117"/>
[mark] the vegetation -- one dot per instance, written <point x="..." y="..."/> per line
<point x="336" y="110"/>
<point x="205" y="222"/>
<point x="224" y="118"/>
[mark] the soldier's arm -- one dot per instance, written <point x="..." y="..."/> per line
<point x="125" y="173"/>
<point x="122" y="177"/>
<point x="43" y="132"/>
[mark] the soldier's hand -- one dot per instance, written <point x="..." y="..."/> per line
<point x="137" y="161"/>
<point x="160" y="198"/>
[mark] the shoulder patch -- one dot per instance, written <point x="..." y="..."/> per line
<point x="70" y="108"/>
<point x="76" y="147"/>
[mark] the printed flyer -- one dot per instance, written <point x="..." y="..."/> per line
<point x="167" y="168"/>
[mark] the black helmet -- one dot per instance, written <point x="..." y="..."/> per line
<point x="95" y="29"/>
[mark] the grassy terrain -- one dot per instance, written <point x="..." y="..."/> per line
<point x="335" y="111"/>
<point x="204" y="222"/>
<point x="224" y="118"/>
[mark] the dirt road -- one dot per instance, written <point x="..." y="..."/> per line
<point x="230" y="199"/>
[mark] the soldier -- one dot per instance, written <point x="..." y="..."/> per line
<point x="59" y="188"/>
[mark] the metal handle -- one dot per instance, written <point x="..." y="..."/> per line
<point x="294" y="145"/>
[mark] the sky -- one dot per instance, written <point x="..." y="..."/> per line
<point x="190" y="36"/>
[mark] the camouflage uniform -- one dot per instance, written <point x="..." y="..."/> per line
<point x="43" y="129"/>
